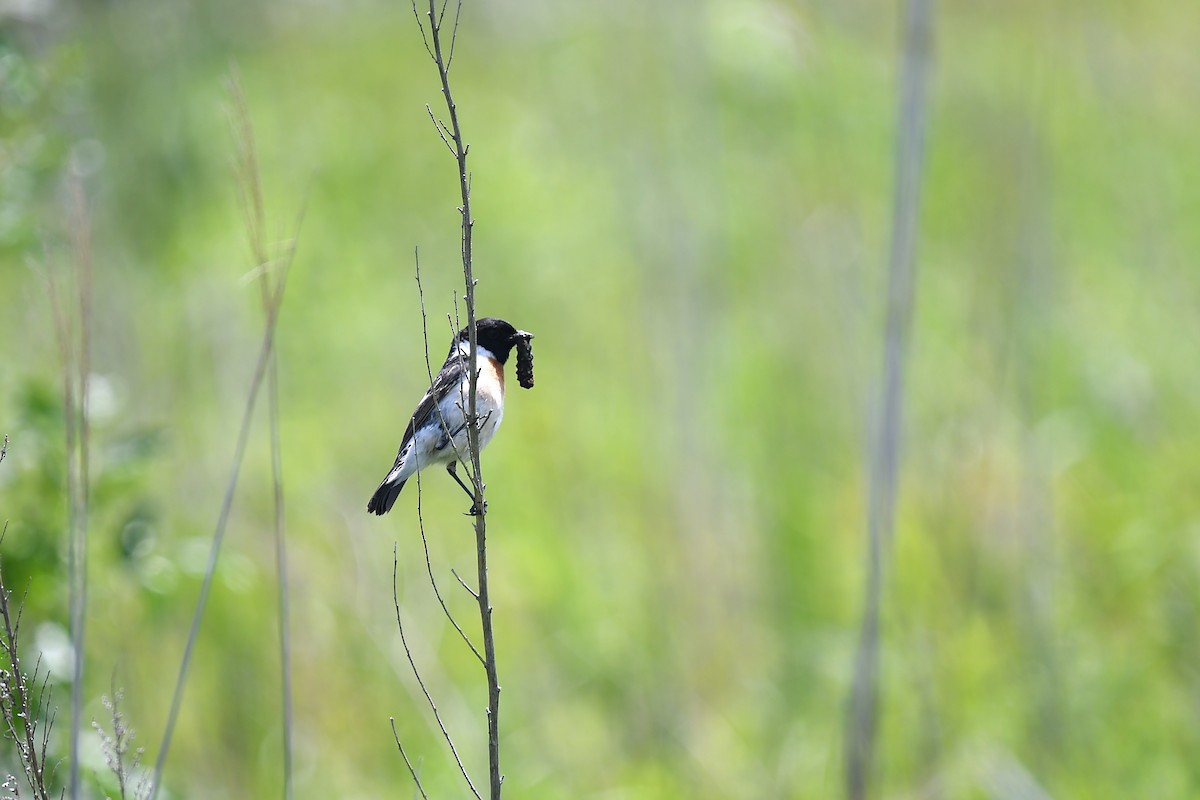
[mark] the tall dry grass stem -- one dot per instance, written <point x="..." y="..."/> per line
<point x="863" y="707"/>
<point x="260" y="371"/>
<point x="73" y="333"/>
<point x="249" y="181"/>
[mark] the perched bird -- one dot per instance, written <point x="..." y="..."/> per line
<point x="437" y="430"/>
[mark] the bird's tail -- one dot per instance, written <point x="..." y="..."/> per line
<point x="385" y="497"/>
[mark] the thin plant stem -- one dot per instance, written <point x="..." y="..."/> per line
<point x="411" y="770"/>
<point x="74" y="342"/>
<point x="64" y="331"/>
<point x="461" y="151"/>
<point x="452" y="136"/>
<point x="250" y="182"/>
<point x="432" y="582"/>
<point x="80" y="231"/>
<point x="420" y="516"/>
<point x="420" y="681"/>
<point x="862" y="716"/>
<point x="260" y="370"/>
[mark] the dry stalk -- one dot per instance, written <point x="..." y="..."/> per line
<point x="254" y="215"/>
<point x="862" y="717"/>
<point x="260" y="370"/>
<point x="442" y="55"/>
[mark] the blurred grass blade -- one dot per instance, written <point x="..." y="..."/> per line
<point x="260" y="370"/>
<point x="249" y="182"/>
<point x="861" y="721"/>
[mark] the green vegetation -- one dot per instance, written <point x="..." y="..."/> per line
<point x="688" y="203"/>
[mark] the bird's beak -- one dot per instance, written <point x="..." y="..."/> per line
<point x="524" y="335"/>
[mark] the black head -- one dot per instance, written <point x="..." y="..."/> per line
<point x="496" y="335"/>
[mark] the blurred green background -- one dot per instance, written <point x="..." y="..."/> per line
<point x="689" y="204"/>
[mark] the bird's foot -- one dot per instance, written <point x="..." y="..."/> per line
<point x="473" y="511"/>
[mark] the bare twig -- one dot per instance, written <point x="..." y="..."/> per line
<point x="260" y="369"/>
<point x="451" y="134"/>
<point x="411" y="770"/>
<point x="421" y="682"/>
<point x="421" y="28"/>
<point x="461" y="150"/>
<point x="455" y="324"/>
<point x="250" y="182"/>
<point x="464" y="584"/>
<point x="432" y="582"/>
<point x="861" y="723"/>
<point x="420" y="514"/>
<point x="441" y="129"/>
<point x="458" y="453"/>
<point x="424" y="318"/>
<point x="453" y="33"/>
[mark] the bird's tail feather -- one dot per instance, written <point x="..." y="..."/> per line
<point x="385" y="497"/>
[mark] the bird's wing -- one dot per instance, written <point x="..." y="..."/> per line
<point x="445" y="381"/>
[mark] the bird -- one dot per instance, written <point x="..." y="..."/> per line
<point x="437" y="430"/>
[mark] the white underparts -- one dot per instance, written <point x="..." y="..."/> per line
<point x="443" y="437"/>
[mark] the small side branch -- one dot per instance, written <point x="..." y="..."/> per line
<point x="463" y="584"/>
<point x="421" y="682"/>
<point x="442" y="131"/>
<point x="433" y="582"/>
<point x="453" y="34"/>
<point x="420" y="512"/>
<point x="411" y="771"/>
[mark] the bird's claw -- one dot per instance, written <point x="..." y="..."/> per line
<point x="473" y="511"/>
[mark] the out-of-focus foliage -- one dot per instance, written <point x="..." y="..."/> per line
<point x="688" y="203"/>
